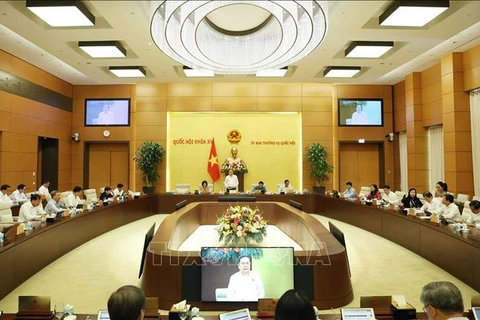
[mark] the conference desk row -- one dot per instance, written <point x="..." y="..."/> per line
<point x="459" y="254"/>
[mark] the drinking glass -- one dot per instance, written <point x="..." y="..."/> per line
<point x="183" y="314"/>
<point x="59" y="310"/>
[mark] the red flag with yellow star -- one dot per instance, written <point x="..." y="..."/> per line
<point x="213" y="168"/>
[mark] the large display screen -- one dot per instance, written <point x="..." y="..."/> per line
<point x="246" y="274"/>
<point x="107" y="112"/>
<point x="360" y="112"/>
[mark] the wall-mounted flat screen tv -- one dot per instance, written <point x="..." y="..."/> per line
<point x="246" y="274"/>
<point x="107" y="112"/>
<point x="360" y="112"/>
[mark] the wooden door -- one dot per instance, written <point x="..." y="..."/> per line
<point x="359" y="163"/>
<point x="108" y="164"/>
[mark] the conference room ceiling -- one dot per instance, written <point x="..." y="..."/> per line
<point x="56" y="50"/>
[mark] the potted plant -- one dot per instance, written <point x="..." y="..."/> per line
<point x="147" y="157"/>
<point x="320" y="168"/>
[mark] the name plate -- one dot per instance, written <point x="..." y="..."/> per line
<point x="411" y="212"/>
<point x="435" y="219"/>
<point x="266" y="308"/>
<point x="392" y="207"/>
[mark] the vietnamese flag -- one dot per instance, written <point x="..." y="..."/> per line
<point x="213" y="168"/>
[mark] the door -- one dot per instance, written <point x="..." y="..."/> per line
<point x="359" y="163"/>
<point x="47" y="162"/>
<point x="108" y="164"/>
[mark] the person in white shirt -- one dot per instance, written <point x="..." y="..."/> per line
<point x="286" y="187"/>
<point x="55" y="205"/>
<point x="43" y="190"/>
<point x="74" y="199"/>
<point x="389" y="196"/>
<point x="4" y="197"/>
<point x="31" y="210"/>
<point x="118" y="191"/>
<point x="245" y="285"/>
<point x="359" y="117"/>
<point x="449" y="211"/>
<point x="231" y="181"/>
<point x="18" y="195"/>
<point x="431" y="204"/>
<point x="442" y="300"/>
<point x="474" y="219"/>
<point x="350" y="192"/>
<point x="106" y="116"/>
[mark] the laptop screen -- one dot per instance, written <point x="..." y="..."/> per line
<point x="358" y="314"/>
<point x="476" y="313"/>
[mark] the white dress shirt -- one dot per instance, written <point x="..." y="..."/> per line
<point x="431" y="206"/>
<point x="117" y="192"/>
<point x="29" y="212"/>
<point x="474" y="219"/>
<point x="390" y="198"/>
<point x="450" y="213"/>
<point x="43" y="190"/>
<point x="18" y="196"/>
<point x="5" y="199"/>
<point x="106" y="117"/>
<point x="231" y="182"/>
<point x="286" y="189"/>
<point x="247" y="287"/>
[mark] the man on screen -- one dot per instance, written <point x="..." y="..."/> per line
<point x="245" y="285"/>
<point x="106" y="116"/>
<point x="359" y="117"/>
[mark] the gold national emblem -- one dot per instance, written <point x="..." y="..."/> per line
<point x="234" y="136"/>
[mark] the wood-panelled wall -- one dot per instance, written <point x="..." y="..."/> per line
<point x="23" y="121"/>
<point x="442" y="93"/>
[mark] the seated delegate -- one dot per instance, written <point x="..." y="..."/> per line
<point x="374" y="193"/>
<point x="204" y="189"/>
<point x="431" y="204"/>
<point x="260" y="188"/>
<point x="286" y="187"/>
<point x="389" y="196"/>
<point x="18" y="196"/>
<point x="294" y="305"/>
<point x="441" y="189"/>
<point x="449" y="211"/>
<point x="350" y="192"/>
<point x="474" y="219"/>
<point x="54" y="205"/>
<point x="411" y="200"/>
<point x="31" y="210"/>
<point x="106" y="194"/>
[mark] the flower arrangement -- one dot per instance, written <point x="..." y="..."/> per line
<point x="238" y="166"/>
<point x="241" y="223"/>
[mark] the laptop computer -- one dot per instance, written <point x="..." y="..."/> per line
<point x="357" y="314"/>
<point x="103" y="315"/>
<point x="242" y="314"/>
<point x="381" y="304"/>
<point x="476" y="313"/>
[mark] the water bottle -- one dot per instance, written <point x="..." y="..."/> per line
<point x="2" y="236"/>
<point x="29" y="226"/>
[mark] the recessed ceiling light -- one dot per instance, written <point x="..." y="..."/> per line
<point x="412" y="13"/>
<point x="197" y="73"/>
<point x="368" y="49"/>
<point x="128" y="72"/>
<point x="63" y="13"/>
<point x="341" y="72"/>
<point x="272" y="73"/>
<point x="103" y="49"/>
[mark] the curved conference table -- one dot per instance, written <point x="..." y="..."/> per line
<point x="457" y="253"/>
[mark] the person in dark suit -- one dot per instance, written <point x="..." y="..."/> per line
<point x="411" y="200"/>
